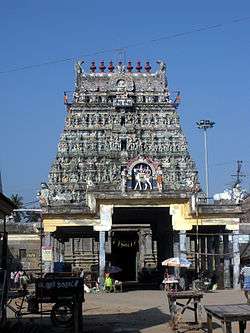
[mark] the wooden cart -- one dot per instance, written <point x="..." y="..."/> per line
<point x="65" y="294"/>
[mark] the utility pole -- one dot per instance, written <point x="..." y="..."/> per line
<point x="238" y="174"/>
<point x="205" y="125"/>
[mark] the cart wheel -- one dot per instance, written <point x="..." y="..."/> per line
<point x="18" y="315"/>
<point x="62" y="314"/>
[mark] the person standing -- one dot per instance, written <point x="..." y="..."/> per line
<point x="17" y="279"/>
<point x="246" y="285"/>
<point x="12" y="279"/>
<point x="24" y="280"/>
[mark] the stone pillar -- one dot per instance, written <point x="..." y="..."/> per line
<point x="183" y="244"/>
<point x="236" y="259"/>
<point x="176" y="244"/>
<point x="47" y="253"/>
<point x="227" y="281"/>
<point x="141" y="249"/>
<point x="73" y="251"/>
<point x="210" y="242"/>
<point x="61" y="251"/>
<point x="203" y="255"/>
<point x="109" y="243"/>
<point x="217" y="252"/>
<point x="102" y="258"/>
<point x="56" y="250"/>
<point x="148" y="242"/>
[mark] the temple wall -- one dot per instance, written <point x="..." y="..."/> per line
<point x="181" y="218"/>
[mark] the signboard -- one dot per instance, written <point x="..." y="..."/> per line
<point x="47" y="253"/>
<point x="53" y="289"/>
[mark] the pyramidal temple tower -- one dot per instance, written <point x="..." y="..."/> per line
<point x="121" y="187"/>
<point x="122" y="137"/>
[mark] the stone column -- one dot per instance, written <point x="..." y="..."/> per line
<point x="176" y="244"/>
<point x="210" y="242"/>
<point x="141" y="249"/>
<point x="47" y="253"/>
<point x="183" y="244"/>
<point x="203" y="251"/>
<point x="73" y="251"/>
<point x="109" y="243"/>
<point x="56" y="250"/>
<point x="62" y="251"/>
<point x="102" y="257"/>
<point x="227" y="282"/>
<point x="236" y="259"/>
<point x="217" y="252"/>
<point x="148" y="242"/>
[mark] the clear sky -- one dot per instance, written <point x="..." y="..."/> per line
<point x="210" y="67"/>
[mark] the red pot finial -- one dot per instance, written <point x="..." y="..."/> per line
<point x="129" y="67"/>
<point x="102" y="67"/>
<point x="147" y="67"/>
<point x="93" y="67"/>
<point x="138" y="66"/>
<point x="111" y="67"/>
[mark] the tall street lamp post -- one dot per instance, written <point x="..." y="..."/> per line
<point x="205" y="125"/>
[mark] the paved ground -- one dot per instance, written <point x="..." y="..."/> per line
<point x="138" y="311"/>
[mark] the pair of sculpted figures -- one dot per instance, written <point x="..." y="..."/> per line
<point x="143" y="178"/>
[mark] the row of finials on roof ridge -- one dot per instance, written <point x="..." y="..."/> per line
<point x="111" y="66"/>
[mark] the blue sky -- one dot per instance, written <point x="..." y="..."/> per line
<point x="210" y="68"/>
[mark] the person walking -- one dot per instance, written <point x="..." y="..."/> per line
<point x="246" y="285"/>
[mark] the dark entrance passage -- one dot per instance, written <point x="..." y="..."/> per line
<point x="141" y="239"/>
<point x="124" y="254"/>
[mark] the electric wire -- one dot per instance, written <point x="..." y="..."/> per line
<point x="110" y="50"/>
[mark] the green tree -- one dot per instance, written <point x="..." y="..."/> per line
<point x="32" y="217"/>
<point x="18" y="201"/>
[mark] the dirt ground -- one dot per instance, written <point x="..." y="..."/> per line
<point x="138" y="311"/>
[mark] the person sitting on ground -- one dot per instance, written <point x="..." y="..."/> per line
<point x="108" y="282"/>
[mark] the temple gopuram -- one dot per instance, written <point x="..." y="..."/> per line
<point x="123" y="189"/>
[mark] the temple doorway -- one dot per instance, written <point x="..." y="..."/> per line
<point x="142" y="237"/>
<point x="125" y="247"/>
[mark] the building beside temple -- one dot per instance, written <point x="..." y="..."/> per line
<point x="123" y="188"/>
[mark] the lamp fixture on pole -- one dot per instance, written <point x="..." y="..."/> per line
<point x="205" y="125"/>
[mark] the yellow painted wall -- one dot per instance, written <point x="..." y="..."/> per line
<point x="181" y="218"/>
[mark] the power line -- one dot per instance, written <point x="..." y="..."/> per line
<point x="159" y="39"/>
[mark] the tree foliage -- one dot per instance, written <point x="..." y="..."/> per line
<point x="18" y="201"/>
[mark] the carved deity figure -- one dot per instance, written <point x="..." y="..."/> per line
<point x="124" y="180"/>
<point x="159" y="178"/>
<point x="78" y="70"/>
<point x="78" y="67"/>
<point x="142" y="177"/>
<point x="162" y="66"/>
<point x="44" y="195"/>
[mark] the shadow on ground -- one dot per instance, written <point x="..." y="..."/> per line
<point x="101" y="323"/>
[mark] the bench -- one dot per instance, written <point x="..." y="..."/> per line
<point x="227" y="314"/>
